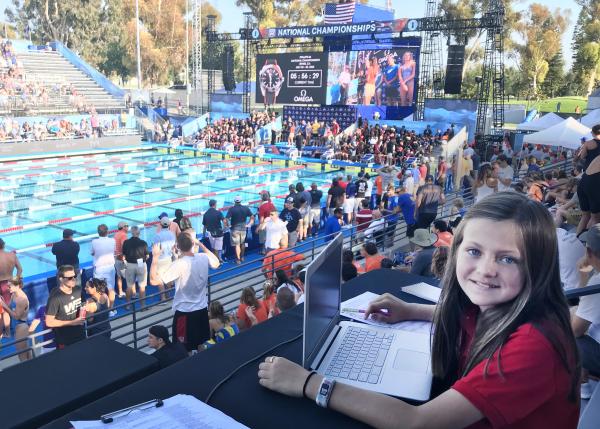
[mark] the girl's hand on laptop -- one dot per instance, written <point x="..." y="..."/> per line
<point x="283" y="376"/>
<point x="387" y="308"/>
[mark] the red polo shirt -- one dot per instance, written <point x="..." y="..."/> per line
<point x="532" y="390"/>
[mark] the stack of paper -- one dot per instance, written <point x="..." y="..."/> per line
<point x="354" y="309"/>
<point x="178" y="412"/>
<point x="424" y="291"/>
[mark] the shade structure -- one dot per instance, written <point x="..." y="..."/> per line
<point x="591" y="119"/>
<point x="546" y="121"/>
<point x="566" y="134"/>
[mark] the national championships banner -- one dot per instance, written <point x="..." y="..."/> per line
<point x="350" y="29"/>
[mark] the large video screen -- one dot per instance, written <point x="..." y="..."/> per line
<point x="381" y="77"/>
<point x="292" y="78"/>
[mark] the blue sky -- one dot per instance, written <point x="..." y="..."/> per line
<point x="403" y="8"/>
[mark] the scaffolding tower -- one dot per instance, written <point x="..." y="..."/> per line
<point x="431" y="72"/>
<point x="248" y="24"/>
<point x="211" y="33"/>
<point x="197" y="55"/>
<point x="491" y="85"/>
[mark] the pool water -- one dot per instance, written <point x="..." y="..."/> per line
<point x="41" y="198"/>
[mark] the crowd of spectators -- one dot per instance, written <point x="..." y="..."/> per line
<point x="383" y="144"/>
<point x="241" y="133"/>
<point x="92" y="126"/>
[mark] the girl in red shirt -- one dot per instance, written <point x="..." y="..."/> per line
<point x="502" y="350"/>
<point x="251" y="311"/>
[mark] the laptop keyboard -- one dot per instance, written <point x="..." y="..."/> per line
<point x="361" y="355"/>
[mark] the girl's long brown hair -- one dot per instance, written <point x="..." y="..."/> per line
<point x="541" y="301"/>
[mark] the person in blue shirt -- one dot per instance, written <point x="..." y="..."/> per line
<point x="391" y="84"/>
<point x="334" y="224"/>
<point x="407" y="207"/>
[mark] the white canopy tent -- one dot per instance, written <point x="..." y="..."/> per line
<point x="567" y="134"/>
<point x="591" y="119"/>
<point x="546" y="121"/>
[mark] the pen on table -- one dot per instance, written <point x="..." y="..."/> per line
<point x="356" y="310"/>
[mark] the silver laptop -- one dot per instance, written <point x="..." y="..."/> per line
<point x="383" y="360"/>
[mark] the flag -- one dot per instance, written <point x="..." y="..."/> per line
<point x="339" y="13"/>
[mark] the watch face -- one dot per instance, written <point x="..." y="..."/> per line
<point x="270" y="78"/>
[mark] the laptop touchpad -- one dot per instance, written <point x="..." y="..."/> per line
<point x="411" y="360"/>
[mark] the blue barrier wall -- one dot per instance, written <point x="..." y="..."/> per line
<point x="192" y="125"/>
<point x="215" y="116"/>
<point x="100" y="79"/>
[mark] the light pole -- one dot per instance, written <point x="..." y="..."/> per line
<point x="137" y="35"/>
<point x="187" y="55"/>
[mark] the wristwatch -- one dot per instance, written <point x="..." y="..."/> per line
<point x="324" y="392"/>
<point x="271" y="80"/>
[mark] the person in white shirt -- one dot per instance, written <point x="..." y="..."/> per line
<point x="276" y="230"/>
<point x="165" y="238"/>
<point x="103" y="251"/>
<point x="376" y="227"/>
<point x="409" y="182"/>
<point x="570" y="251"/>
<point x="586" y="321"/>
<point x="505" y="173"/>
<point x="190" y="303"/>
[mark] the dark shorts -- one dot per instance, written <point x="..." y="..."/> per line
<point x="392" y="92"/>
<point x="191" y="329"/>
<point x="424" y="220"/>
<point x="588" y="193"/>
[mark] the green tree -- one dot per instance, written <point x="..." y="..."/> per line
<point x="586" y="48"/>
<point x="162" y="38"/>
<point x="80" y="25"/>
<point x="467" y="9"/>
<point x="541" y="32"/>
<point x="554" y="83"/>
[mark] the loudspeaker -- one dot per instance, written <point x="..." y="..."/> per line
<point x="227" y="68"/>
<point x="454" y="69"/>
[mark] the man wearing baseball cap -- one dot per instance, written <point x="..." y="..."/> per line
<point x="237" y="220"/>
<point x="291" y="215"/>
<point x="173" y="226"/>
<point x="67" y="252"/>
<point x="166" y="352"/>
<point x="586" y="321"/>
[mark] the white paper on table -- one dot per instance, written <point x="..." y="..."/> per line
<point x="178" y="412"/>
<point x="361" y="302"/>
<point x="424" y="291"/>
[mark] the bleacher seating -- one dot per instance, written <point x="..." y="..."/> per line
<point x="53" y="69"/>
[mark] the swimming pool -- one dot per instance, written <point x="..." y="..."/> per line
<point x="40" y="198"/>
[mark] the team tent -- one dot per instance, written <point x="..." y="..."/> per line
<point x="567" y="134"/>
<point x="591" y="119"/>
<point x="546" y="121"/>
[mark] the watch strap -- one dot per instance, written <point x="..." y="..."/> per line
<point x="270" y="61"/>
<point x="324" y="392"/>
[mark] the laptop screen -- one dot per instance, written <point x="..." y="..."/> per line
<point x="322" y="290"/>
